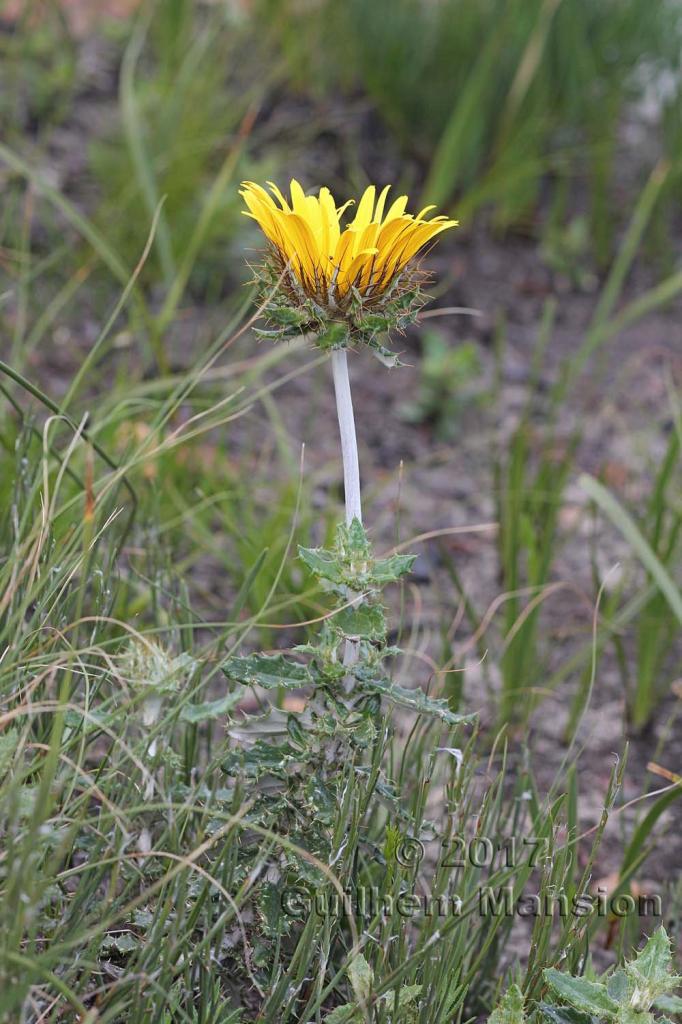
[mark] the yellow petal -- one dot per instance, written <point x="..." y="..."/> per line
<point x="306" y="250"/>
<point x="354" y="271"/>
<point x="252" y="188"/>
<point x="297" y="196"/>
<point x="421" y="237"/>
<point x="367" y="238"/>
<point x="393" y="240"/>
<point x="312" y="215"/>
<point x="342" y="209"/>
<point x="282" y="201"/>
<point x="330" y="223"/>
<point x="425" y="210"/>
<point x="343" y="254"/>
<point x="365" y="208"/>
<point x="392" y="236"/>
<point x="381" y="201"/>
<point x="368" y="273"/>
<point x="396" y="209"/>
<point x="368" y="254"/>
<point x="264" y="216"/>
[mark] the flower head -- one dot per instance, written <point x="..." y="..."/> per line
<point x="155" y="672"/>
<point x="343" y="284"/>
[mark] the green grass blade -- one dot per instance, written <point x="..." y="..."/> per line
<point x="135" y="135"/>
<point x="82" y="225"/>
<point x="641" y="547"/>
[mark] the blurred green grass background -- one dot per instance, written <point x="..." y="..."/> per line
<point x="516" y="110"/>
<point x="150" y="477"/>
<point x="126" y="128"/>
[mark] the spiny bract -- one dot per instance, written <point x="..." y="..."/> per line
<point x="342" y="285"/>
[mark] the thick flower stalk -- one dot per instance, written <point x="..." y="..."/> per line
<point x="341" y="286"/>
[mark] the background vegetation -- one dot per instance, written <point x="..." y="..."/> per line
<point x="153" y="493"/>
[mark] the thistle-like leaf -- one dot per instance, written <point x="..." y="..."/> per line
<point x="650" y="973"/>
<point x="589" y="996"/>
<point x="212" y="708"/>
<point x="669" y="1004"/>
<point x="323" y="563"/>
<point x="269" y="671"/>
<point x="510" y="1009"/>
<point x="346" y="1014"/>
<point x="288" y="316"/>
<point x="413" y="700"/>
<point x="350" y="564"/>
<point x="336" y="335"/>
<point x="565" y="1015"/>
<point x="367" y="622"/>
<point x="262" y="759"/>
<point x="361" y="978"/>
<point x="389" y="570"/>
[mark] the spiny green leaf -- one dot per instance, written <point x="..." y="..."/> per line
<point x="322" y="799"/>
<point x="346" y="1014"/>
<point x="414" y="700"/>
<point x="363" y="731"/>
<point x="322" y="563"/>
<point x="384" y="355"/>
<point x="510" y="1009"/>
<point x="565" y="1015"/>
<point x="122" y="943"/>
<point x="361" y="978"/>
<point x="211" y="709"/>
<point x="588" y="996"/>
<point x="276" y="334"/>
<point x="269" y="671"/>
<point x="373" y="322"/>
<point x="406" y="997"/>
<point x="618" y="986"/>
<point x="287" y="316"/>
<point x="296" y="731"/>
<point x="654" y="960"/>
<point x="389" y="570"/>
<point x="352" y="541"/>
<point x="669" y="1004"/>
<point x="650" y="973"/>
<point x="350" y="562"/>
<point x="336" y="335"/>
<point x="364" y="623"/>
<point x="263" y="759"/>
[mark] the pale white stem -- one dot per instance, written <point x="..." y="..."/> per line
<point x="349" y="444"/>
<point x="351" y="467"/>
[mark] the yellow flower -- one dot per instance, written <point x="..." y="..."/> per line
<point x="331" y="265"/>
